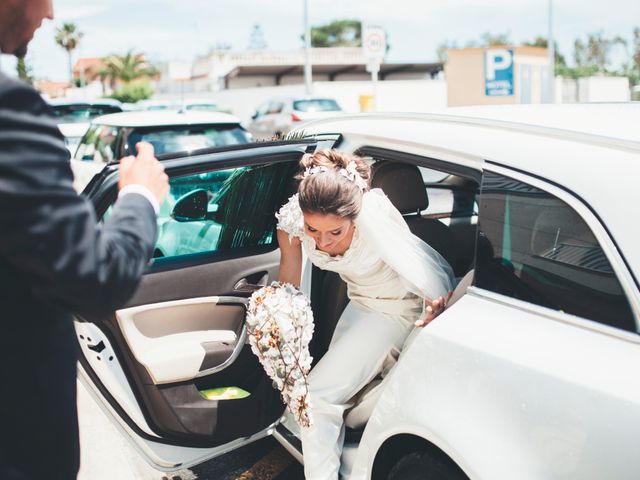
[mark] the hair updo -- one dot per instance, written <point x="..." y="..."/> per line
<point x="330" y="192"/>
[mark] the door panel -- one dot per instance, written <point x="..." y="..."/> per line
<point x="183" y="331"/>
<point x="180" y="340"/>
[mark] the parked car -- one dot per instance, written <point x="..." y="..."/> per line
<point x="112" y="137"/>
<point x="530" y="372"/>
<point x="74" y="116"/>
<point x="278" y="116"/>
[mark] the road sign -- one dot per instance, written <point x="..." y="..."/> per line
<point x="374" y="43"/>
<point x="498" y="72"/>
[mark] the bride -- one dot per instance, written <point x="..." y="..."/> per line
<point x="394" y="281"/>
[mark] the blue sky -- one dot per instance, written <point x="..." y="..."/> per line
<point x="179" y="30"/>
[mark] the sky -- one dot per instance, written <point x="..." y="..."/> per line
<point x="178" y="30"/>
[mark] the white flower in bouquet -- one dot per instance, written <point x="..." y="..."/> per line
<point x="280" y="327"/>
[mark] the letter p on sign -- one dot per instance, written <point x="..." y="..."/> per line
<point x="497" y="60"/>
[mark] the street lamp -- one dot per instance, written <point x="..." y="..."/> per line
<point x="307" y="50"/>
<point x="551" y="54"/>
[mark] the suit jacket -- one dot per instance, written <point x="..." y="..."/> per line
<point x="54" y="259"/>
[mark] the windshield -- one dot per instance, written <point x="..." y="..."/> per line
<point x="188" y="138"/>
<point x="317" y="105"/>
<point x="81" y="113"/>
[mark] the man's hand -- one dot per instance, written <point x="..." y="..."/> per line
<point x="433" y="309"/>
<point x="144" y="169"/>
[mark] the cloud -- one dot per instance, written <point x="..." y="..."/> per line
<point x="78" y="12"/>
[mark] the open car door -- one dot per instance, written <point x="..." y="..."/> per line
<point x="173" y="368"/>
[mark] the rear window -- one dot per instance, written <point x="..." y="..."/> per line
<point x="188" y="138"/>
<point x="317" y="105"/>
<point x="81" y="113"/>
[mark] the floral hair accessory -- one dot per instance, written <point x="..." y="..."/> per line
<point x="351" y="173"/>
<point x="280" y="325"/>
<point x="317" y="169"/>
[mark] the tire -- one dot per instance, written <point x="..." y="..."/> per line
<point x="423" y="466"/>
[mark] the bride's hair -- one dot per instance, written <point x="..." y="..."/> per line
<point x="332" y="182"/>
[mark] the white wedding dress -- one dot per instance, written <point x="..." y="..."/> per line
<point x="389" y="272"/>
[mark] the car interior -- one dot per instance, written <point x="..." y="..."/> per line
<point x="181" y="335"/>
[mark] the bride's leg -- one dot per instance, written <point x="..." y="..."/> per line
<point x="358" y="349"/>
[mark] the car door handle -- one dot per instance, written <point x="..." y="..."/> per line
<point x="244" y="285"/>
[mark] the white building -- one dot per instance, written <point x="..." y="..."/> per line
<point x="225" y="70"/>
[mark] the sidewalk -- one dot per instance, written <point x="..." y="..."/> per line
<point x="104" y="452"/>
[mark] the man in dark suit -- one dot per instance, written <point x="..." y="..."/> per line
<point x="54" y="260"/>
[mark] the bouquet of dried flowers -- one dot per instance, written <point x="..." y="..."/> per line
<point x="280" y="327"/>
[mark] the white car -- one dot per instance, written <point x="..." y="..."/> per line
<point x="74" y="116"/>
<point x="278" y="116"/>
<point x="112" y="137"/>
<point x="531" y="371"/>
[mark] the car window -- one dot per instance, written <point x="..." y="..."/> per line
<point x="221" y="211"/>
<point x="446" y="200"/>
<point x="275" y="107"/>
<point x="316" y="105"/>
<point x="98" y="144"/>
<point x="262" y="110"/>
<point x="203" y="107"/>
<point x="188" y="138"/>
<point x="81" y="113"/>
<point x="534" y="247"/>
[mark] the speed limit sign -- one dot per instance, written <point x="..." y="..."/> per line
<point x="374" y="43"/>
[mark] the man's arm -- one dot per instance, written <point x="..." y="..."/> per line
<point x="48" y="234"/>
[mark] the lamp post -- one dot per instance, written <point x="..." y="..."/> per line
<point x="307" y="50"/>
<point x="551" y="54"/>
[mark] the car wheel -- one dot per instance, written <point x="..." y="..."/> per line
<point x="423" y="466"/>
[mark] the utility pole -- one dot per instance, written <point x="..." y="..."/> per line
<point x="307" y="50"/>
<point x="551" y="54"/>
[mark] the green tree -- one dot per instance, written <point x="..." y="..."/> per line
<point x="633" y="67"/>
<point x="540" y="41"/>
<point x="68" y="37"/>
<point x="441" y="50"/>
<point x="133" y="91"/>
<point x="596" y="51"/>
<point x="24" y="71"/>
<point x="489" y="39"/>
<point x="339" y="33"/>
<point x="126" y="68"/>
<point x="257" y="41"/>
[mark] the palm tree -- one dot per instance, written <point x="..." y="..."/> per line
<point x="126" y="68"/>
<point x="68" y="36"/>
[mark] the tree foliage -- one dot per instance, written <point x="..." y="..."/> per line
<point x="126" y="68"/>
<point x="488" y="39"/>
<point x="68" y="36"/>
<point x="339" y="33"/>
<point x="24" y="71"/>
<point x="541" y="41"/>
<point x="133" y="91"/>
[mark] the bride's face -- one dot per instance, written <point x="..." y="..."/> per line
<point x="331" y="233"/>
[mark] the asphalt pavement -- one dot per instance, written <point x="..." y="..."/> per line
<point x="106" y="455"/>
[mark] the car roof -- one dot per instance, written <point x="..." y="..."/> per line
<point x="63" y="102"/>
<point x="591" y="150"/>
<point x="614" y="121"/>
<point x="157" y="118"/>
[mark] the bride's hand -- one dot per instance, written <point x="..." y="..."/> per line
<point x="433" y="309"/>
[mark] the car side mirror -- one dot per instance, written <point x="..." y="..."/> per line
<point x="192" y="206"/>
<point x="254" y="116"/>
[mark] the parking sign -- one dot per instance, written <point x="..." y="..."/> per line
<point x="498" y="72"/>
